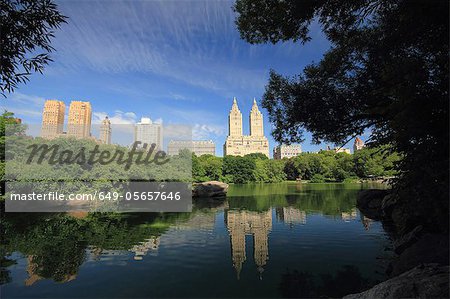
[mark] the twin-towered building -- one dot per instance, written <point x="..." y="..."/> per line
<point x="78" y="123"/>
<point x="238" y="144"/>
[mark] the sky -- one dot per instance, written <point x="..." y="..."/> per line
<point x="181" y="62"/>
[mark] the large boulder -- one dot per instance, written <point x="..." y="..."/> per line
<point x="369" y="202"/>
<point x="403" y="242"/>
<point x="427" y="248"/>
<point x="210" y="189"/>
<point x="424" y="281"/>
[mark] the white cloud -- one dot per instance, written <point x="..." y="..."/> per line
<point x="177" y="40"/>
<point x="25" y="112"/>
<point x="18" y="97"/>
<point x="204" y="131"/>
<point x="119" y="117"/>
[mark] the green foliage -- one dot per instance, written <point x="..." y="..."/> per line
<point x="238" y="169"/>
<point x="317" y="178"/>
<point x="387" y="72"/>
<point x="56" y="244"/>
<point x="26" y="27"/>
<point x="325" y="166"/>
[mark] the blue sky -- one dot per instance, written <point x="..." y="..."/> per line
<point x="179" y="61"/>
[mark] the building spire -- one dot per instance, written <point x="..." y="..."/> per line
<point x="255" y="106"/>
<point x="235" y="105"/>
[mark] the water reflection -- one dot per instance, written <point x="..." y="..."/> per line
<point x="55" y="246"/>
<point x="347" y="280"/>
<point x="291" y="216"/>
<point x="257" y="224"/>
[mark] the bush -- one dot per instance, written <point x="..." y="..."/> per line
<point x="317" y="178"/>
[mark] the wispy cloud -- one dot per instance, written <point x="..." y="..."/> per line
<point x="204" y="131"/>
<point x="25" y="112"/>
<point x="195" y="44"/>
<point x="118" y="118"/>
<point x="33" y="100"/>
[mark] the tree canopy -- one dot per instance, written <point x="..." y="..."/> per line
<point x="386" y="72"/>
<point x="27" y="27"/>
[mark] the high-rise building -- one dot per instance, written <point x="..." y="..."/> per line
<point x="358" y="145"/>
<point x="235" y="120"/>
<point x="286" y="151"/>
<point x="79" y="122"/>
<point x="291" y="215"/>
<point x="148" y="132"/>
<point x="242" y="223"/>
<point x="105" y="131"/>
<point x="53" y="119"/>
<point x="256" y="121"/>
<point x="198" y="147"/>
<point x="238" y="144"/>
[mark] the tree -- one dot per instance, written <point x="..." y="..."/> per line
<point x="212" y="166"/>
<point x="387" y="72"/>
<point x="27" y="27"/>
<point x="238" y="169"/>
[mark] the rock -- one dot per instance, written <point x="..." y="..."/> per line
<point x="429" y="248"/>
<point x="388" y="204"/>
<point x="404" y="218"/>
<point x="407" y="240"/>
<point x="210" y="189"/>
<point x="424" y="281"/>
<point x="369" y="202"/>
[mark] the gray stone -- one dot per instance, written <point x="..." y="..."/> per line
<point x="424" y="281"/>
<point x="429" y="248"/>
<point x="388" y="204"/>
<point x="210" y="189"/>
<point x="369" y="202"/>
<point x="408" y="239"/>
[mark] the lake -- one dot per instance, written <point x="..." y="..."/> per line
<point x="264" y="240"/>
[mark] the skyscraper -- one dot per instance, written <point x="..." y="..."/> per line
<point x="242" y="223"/>
<point x="359" y="144"/>
<point x="238" y="144"/>
<point x="256" y="121"/>
<point x="53" y="119"/>
<point x="235" y="120"/>
<point x="105" y="131"/>
<point x="149" y="132"/>
<point x="79" y="123"/>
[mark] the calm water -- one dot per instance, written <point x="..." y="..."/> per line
<point x="269" y="240"/>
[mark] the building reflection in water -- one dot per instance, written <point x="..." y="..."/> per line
<point x="242" y="223"/>
<point x="291" y="215"/>
<point x="141" y="249"/>
<point x="366" y="222"/>
<point x="349" y="216"/>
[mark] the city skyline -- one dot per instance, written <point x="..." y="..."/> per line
<point x="236" y="143"/>
<point x="186" y="66"/>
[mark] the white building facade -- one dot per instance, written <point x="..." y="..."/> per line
<point x="286" y="151"/>
<point x="149" y="132"/>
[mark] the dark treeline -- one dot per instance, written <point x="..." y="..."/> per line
<point x="324" y="166"/>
